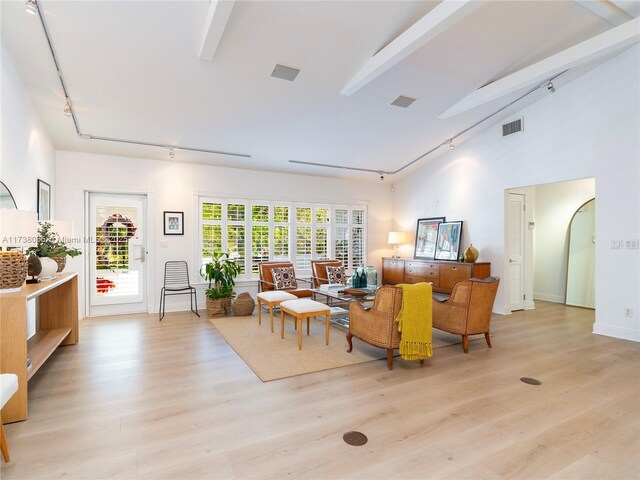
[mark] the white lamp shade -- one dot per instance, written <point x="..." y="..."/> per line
<point x="397" y="238"/>
<point x="18" y="228"/>
<point x="62" y="228"/>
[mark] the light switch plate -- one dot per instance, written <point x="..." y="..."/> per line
<point x="616" y="244"/>
<point x="632" y="244"/>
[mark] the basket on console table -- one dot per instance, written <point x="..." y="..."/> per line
<point x="13" y="269"/>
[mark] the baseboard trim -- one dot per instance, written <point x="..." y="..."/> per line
<point x="616" y="332"/>
<point x="177" y="307"/>
<point x="548" y="297"/>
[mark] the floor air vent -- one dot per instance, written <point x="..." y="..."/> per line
<point x="512" y="127"/>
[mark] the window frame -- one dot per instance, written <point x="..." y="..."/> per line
<point x="292" y="225"/>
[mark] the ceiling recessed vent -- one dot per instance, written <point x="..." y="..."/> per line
<point x="285" y="73"/>
<point x="403" y="101"/>
<point x="512" y="127"/>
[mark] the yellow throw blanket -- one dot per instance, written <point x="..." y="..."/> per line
<point x="415" y="321"/>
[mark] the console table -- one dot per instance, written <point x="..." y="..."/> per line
<point x="441" y="273"/>
<point x="58" y="306"/>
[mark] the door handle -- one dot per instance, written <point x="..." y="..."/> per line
<point x="510" y="261"/>
<point x="143" y="254"/>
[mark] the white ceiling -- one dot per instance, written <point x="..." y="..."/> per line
<point x="133" y="72"/>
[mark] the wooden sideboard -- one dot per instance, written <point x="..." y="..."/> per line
<point x="442" y="274"/>
<point x="58" y="325"/>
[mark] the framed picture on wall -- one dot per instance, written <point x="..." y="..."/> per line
<point x="44" y="200"/>
<point x="448" y="243"/>
<point x="173" y="223"/>
<point x="426" y="236"/>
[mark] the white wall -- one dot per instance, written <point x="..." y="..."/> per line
<point x="588" y="128"/>
<point x="174" y="186"/>
<point x="26" y="152"/>
<point x="555" y="205"/>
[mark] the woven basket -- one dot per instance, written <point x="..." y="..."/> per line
<point x="13" y="269"/>
<point x="62" y="262"/>
<point x="218" y="308"/>
<point x="243" y="305"/>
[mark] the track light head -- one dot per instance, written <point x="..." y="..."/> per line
<point x="32" y="6"/>
<point x="382" y="177"/>
<point x="172" y="153"/>
<point x="451" y="145"/>
<point x="67" y="108"/>
<point x="550" y="87"/>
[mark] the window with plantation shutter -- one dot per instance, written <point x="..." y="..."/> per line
<point x="257" y="231"/>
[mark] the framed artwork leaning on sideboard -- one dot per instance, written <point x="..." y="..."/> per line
<point x="448" y="241"/>
<point x="426" y="236"/>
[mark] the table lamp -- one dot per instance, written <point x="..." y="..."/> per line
<point x="396" y="239"/>
<point x="18" y="229"/>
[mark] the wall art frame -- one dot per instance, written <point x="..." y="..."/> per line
<point x="448" y="243"/>
<point x="426" y="237"/>
<point x="173" y="223"/>
<point x="44" y="201"/>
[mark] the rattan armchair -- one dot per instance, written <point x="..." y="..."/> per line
<point x="468" y="310"/>
<point x="377" y="326"/>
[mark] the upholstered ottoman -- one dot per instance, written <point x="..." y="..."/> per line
<point x="273" y="299"/>
<point x="304" y="308"/>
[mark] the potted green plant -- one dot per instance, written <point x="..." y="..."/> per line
<point x="221" y="274"/>
<point x="51" y="248"/>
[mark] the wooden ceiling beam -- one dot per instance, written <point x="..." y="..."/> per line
<point x="602" y="45"/>
<point x="606" y="10"/>
<point x="443" y="16"/>
<point x="217" y="18"/>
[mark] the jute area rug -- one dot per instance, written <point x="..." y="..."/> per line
<point x="273" y="358"/>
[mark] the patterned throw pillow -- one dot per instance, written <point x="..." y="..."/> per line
<point x="283" y="277"/>
<point x="336" y="275"/>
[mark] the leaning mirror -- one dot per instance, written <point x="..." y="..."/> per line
<point x="581" y="257"/>
<point x="6" y="199"/>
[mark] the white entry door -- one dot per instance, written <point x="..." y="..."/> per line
<point x="515" y="246"/>
<point x="117" y="262"/>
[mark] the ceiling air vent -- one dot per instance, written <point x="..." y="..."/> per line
<point x="403" y="101"/>
<point x="285" y="73"/>
<point x="512" y="127"/>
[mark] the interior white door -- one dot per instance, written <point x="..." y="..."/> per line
<point x="117" y="260"/>
<point x="515" y="245"/>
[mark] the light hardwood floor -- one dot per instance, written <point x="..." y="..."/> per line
<point x="141" y="399"/>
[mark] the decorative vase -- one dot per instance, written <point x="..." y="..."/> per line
<point x="471" y="254"/>
<point x="218" y="308"/>
<point x="243" y="305"/>
<point x="372" y="277"/>
<point x="362" y="282"/>
<point x="49" y="267"/>
<point x="61" y="262"/>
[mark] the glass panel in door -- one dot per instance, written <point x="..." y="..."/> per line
<point x="117" y="270"/>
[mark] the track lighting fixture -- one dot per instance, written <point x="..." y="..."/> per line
<point x="381" y="177"/>
<point x="32" y="6"/>
<point x="172" y="153"/>
<point x="67" y="108"/>
<point x="550" y="87"/>
<point x="451" y="145"/>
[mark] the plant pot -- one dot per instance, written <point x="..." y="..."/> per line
<point x="218" y="308"/>
<point x="62" y="262"/>
<point x="49" y="267"/>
